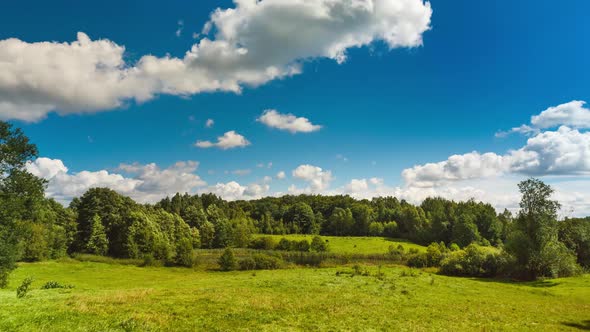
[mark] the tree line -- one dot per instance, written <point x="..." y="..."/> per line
<point x="103" y="222"/>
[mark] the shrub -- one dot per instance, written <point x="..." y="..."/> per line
<point x="418" y="260"/>
<point x="227" y="260"/>
<point x="398" y="253"/>
<point x="284" y="245"/>
<point x="318" y="244"/>
<point x="473" y="261"/>
<point x="302" y="245"/>
<point x="435" y="253"/>
<point x="55" y="285"/>
<point x="247" y="264"/>
<point x="266" y="262"/>
<point x="263" y="243"/>
<point x="24" y="287"/>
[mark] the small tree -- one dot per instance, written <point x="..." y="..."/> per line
<point x="97" y="243"/>
<point x="227" y="260"/>
<point x="318" y="244"/>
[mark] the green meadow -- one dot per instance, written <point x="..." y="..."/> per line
<point x="116" y="297"/>
<point x="363" y="245"/>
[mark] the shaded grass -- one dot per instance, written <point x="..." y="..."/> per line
<point x="127" y="298"/>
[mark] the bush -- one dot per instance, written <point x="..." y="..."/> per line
<point x="318" y="244"/>
<point x="266" y="262"/>
<point x="263" y="243"/>
<point x="302" y="245"/>
<point x="473" y="261"/>
<point x="435" y="253"/>
<point x="398" y="253"/>
<point x="227" y="260"/>
<point x="55" y="285"/>
<point x="284" y="245"/>
<point x="418" y="260"/>
<point x="24" y="287"/>
<point x="247" y="264"/>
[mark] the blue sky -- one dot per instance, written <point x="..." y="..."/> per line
<point x="482" y="67"/>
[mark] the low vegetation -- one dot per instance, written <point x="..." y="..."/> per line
<point x="111" y="297"/>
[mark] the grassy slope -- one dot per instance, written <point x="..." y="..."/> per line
<point x="119" y="297"/>
<point x="356" y="245"/>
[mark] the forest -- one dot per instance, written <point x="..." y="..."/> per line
<point x="464" y="238"/>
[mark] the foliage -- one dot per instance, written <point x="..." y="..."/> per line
<point x="473" y="261"/>
<point x="24" y="287"/>
<point x="55" y="285"/>
<point x="98" y="243"/>
<point x="534" y="241"/>
<point x="575" y="234"/>
<point x="227" y="261"/>
<point x="260" y="262"/>
<point x="263" y="243"/>
<point x="318" y="244"/>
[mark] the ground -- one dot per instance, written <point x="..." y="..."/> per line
<point x="114" y="297"/>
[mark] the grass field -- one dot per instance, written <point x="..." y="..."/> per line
<point x="355" y="245"/>
<point x="111" y="297"/>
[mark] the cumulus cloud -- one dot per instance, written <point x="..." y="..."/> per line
<point x="254" y="42"/>
<point x="144" y="183"/>
<point x="317" y="178"/>
<point x="572" y="114"/>
<point x="232" y="190"/>
<point x="281" y="175"/>
<point x="288" y="122"/>
<point x="229" y="140"/>
<point x="565" y="151"/>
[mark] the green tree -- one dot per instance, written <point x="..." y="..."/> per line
<point x="97" y="242"/>
<point x="534" y="241"/>
<point x="301" y="218"/>
<point x="376" y="229"/>
<point x="575" y="234"/>
<point x="340" y="222"/>
<point x="227" y="261"/>
<point x="19" y="192"/>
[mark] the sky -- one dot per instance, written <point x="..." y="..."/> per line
<point x="245" y="99"/>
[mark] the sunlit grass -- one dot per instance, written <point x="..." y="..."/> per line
<point x="111" y="297"/>
<point x="356" y="244"/>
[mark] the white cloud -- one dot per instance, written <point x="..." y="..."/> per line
<point x="255" y="42"/>
<point x="146" y="183"/>
<point x="281" y="175"/>
<point x="232" y="190"/>
<point x="317" y="178"/>
<point x="562" y="152"/>
<point x="357" y="185"/>
<point x="209" y="123"/>
<point x="288" y="122"/>
<point x="229" y="140"/>
<point x="572" y="114"/>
